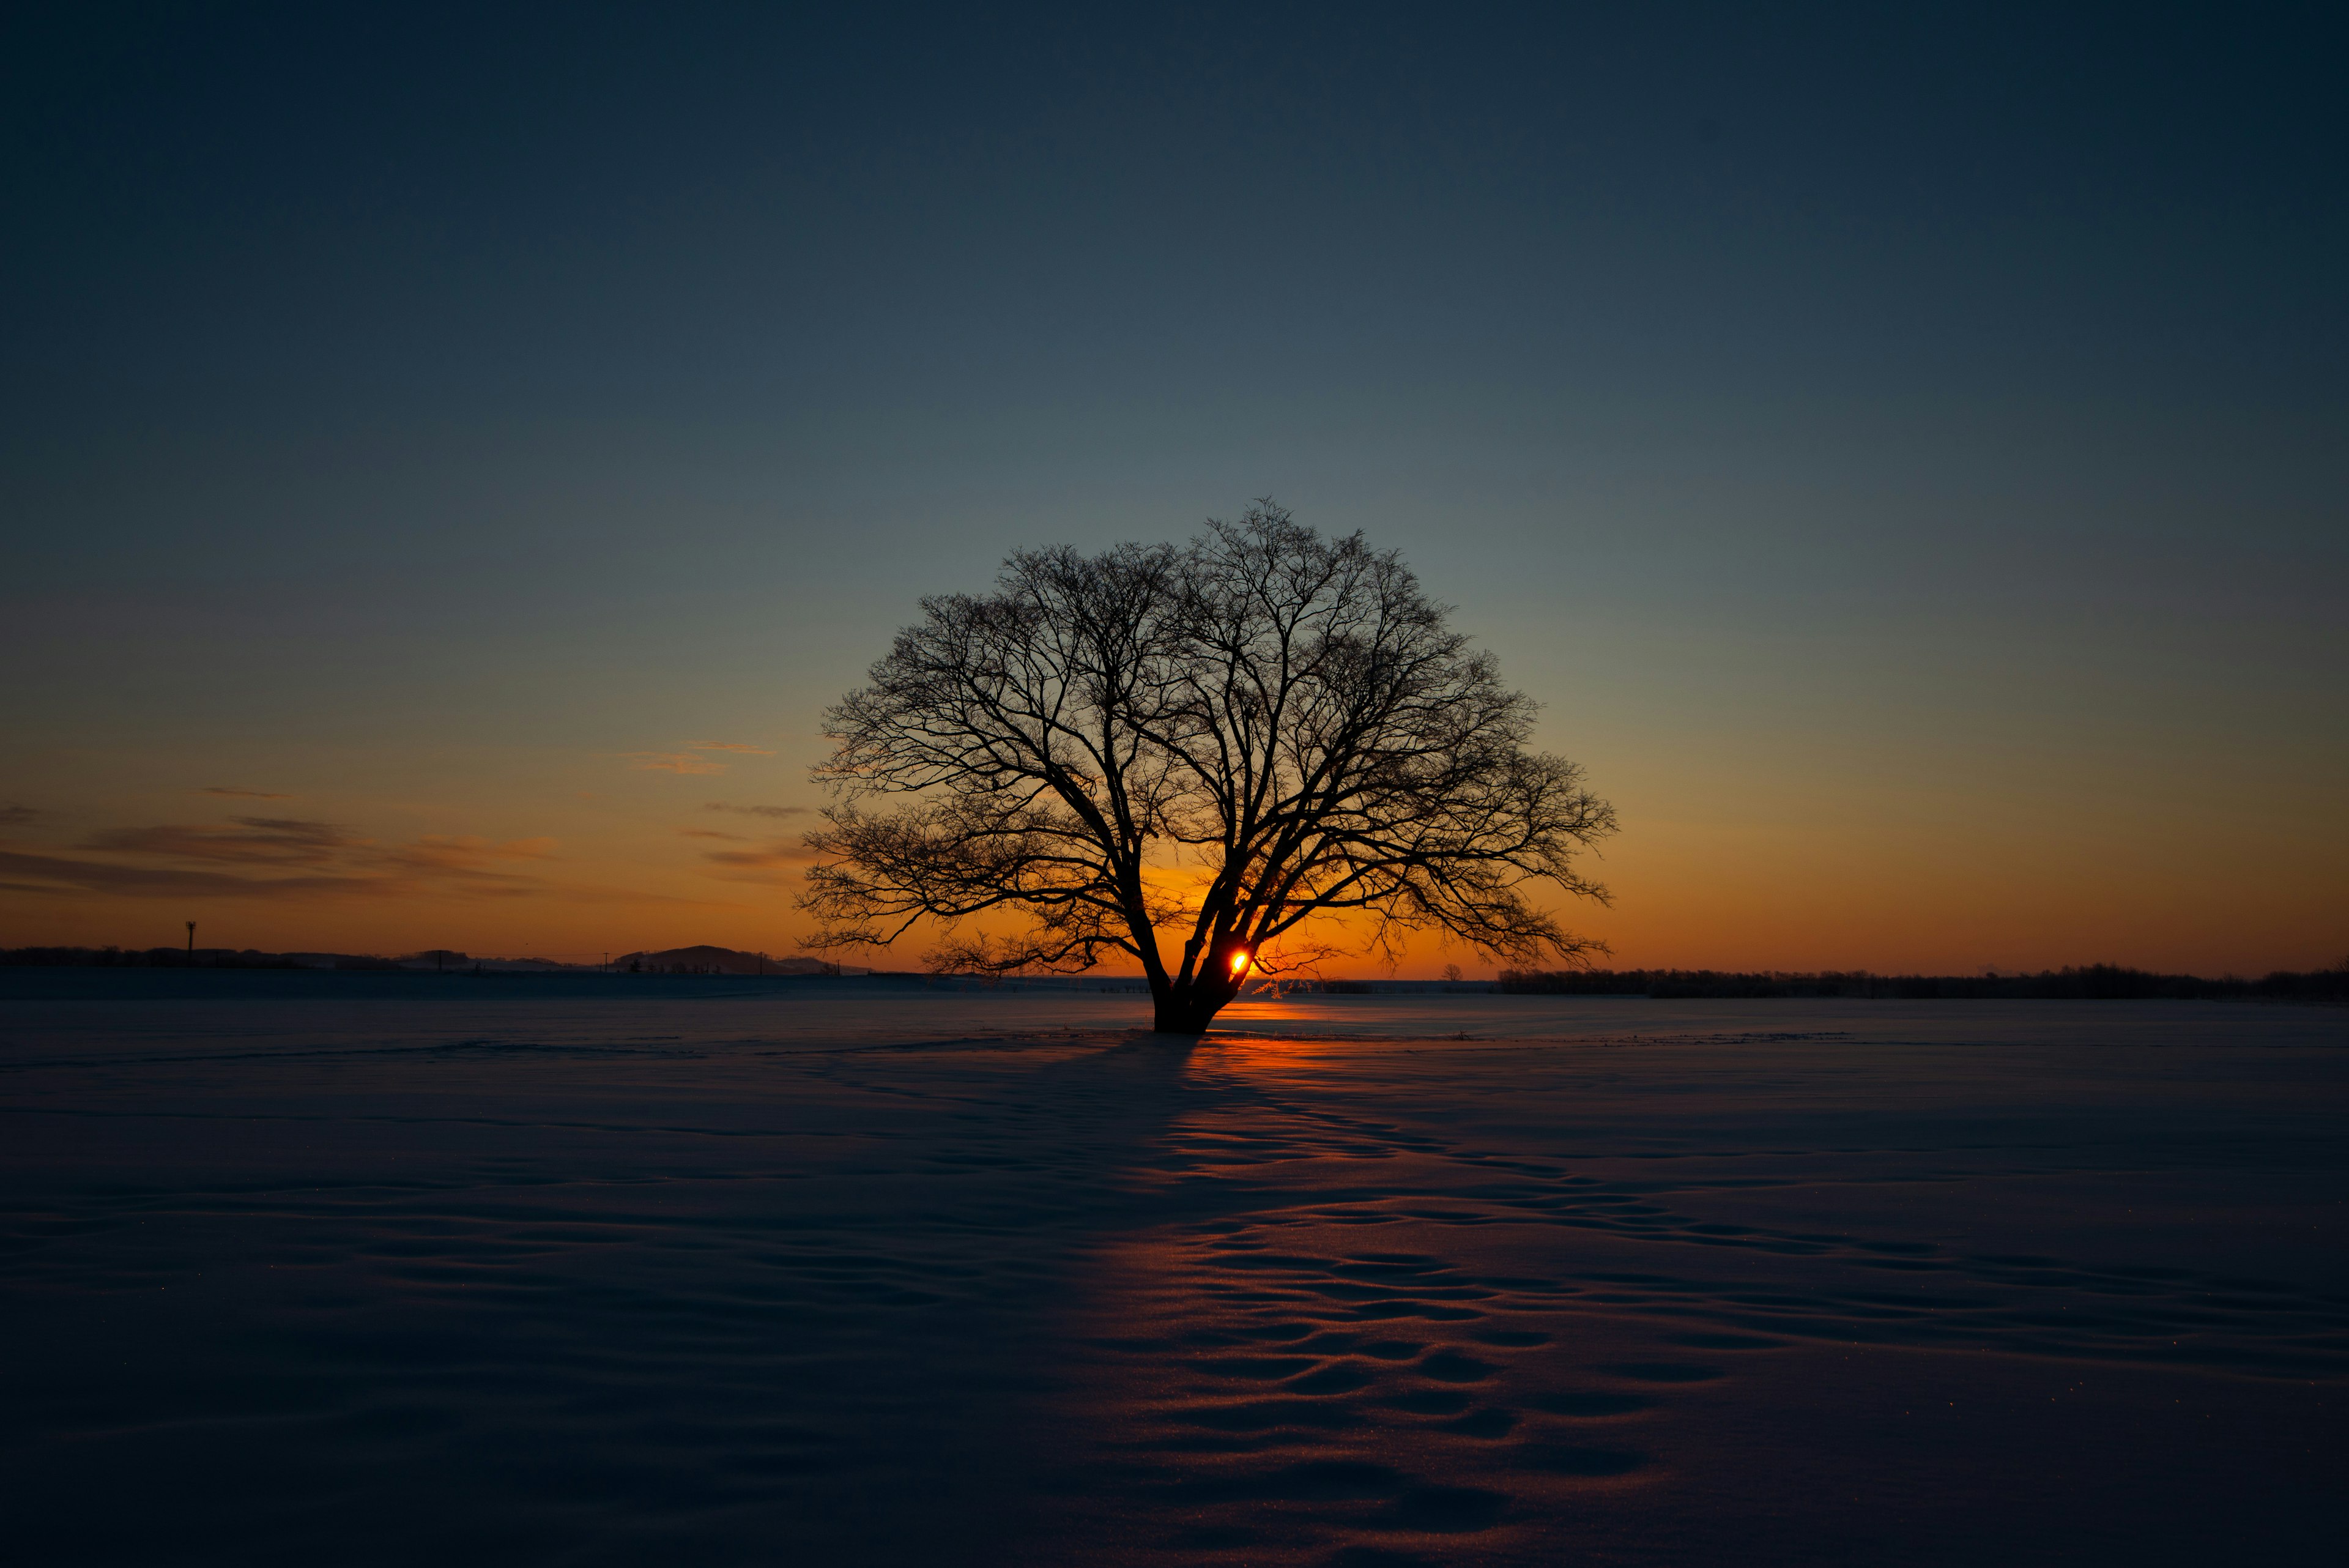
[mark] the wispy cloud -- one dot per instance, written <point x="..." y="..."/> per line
<point x="254" y="840"/>
<point x="464" y="858"/>
<point x="688" y="761"/>
<point x="769" y="865"/>
<point x="674" y="762"/>
<point x="17" y="815"/>
<point x="57" y="873"/>
<point x="244" y="793"/>
<point x="761" y="810"/>
<point x="279" y="857"/>
<point x="775" y="855"/>
<point x="709" y="832"/>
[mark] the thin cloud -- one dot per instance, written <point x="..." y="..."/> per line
<point x="674" y="762"/>
<point x="769" y="865"/>
<point x="465" y="858"/>
<point x="732" y="746"/>
<point x="242" y="793"/>
<point x="254" y="840"/>
<point x="709" y="832"/>
<point x="58" y="874"/>
<point x="778" y="811"/>
<point x="17" y="815"/>
<point x="283" y="857"/>
<point x="775" y="855"/>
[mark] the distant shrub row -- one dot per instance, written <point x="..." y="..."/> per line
<point x="179" y="958"/>
<point x="2101" y="981"/>
<point x="2098" y="982"/>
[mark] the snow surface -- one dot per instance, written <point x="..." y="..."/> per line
<point x="341" y="1269"/>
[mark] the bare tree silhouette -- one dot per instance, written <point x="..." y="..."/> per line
<point x="1220" y="741"/>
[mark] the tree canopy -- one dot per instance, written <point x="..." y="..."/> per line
<point x="1212" y="743"/>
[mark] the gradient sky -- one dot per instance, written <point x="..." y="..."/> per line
<point x="450" y="456"/>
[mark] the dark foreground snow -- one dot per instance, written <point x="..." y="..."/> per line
<point x="771" y="1278"/>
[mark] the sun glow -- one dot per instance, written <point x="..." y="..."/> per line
<point x="1240" y="961"/>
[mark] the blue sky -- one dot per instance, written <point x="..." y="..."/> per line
<point x="1903" y="449"/>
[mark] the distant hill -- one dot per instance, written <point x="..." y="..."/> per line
<point x="707" y="959"/>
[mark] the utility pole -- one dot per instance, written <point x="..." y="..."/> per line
<point x="191" y="938"/>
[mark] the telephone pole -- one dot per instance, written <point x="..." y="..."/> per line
<point x="191" y="938"/>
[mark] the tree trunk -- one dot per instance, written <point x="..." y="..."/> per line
<point x="1188" y="1008"/>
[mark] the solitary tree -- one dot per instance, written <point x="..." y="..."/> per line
<point x="1216" y="742"/>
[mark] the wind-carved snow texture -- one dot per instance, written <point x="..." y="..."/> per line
<point x="1389" y="1361"/>
<point x="753" y="1279"/>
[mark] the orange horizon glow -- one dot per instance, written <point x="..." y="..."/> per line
<point x="573" y="855"/>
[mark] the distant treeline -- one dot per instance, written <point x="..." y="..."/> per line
<point x="2100" y="983"/>
<point x="2095" y="982"/>
<point x="700" y="960"/>
<point x="218" y="957"/>
<point x="248" y="957"/>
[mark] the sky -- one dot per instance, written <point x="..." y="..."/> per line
<point x="449" y="457"/>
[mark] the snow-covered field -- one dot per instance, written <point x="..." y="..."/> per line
<point x="323" y="1270"/>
